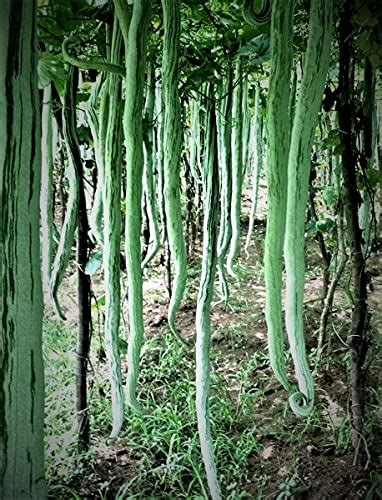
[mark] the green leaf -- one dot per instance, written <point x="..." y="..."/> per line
<point x="259" y="47"/>
<point x="374" y="177"/>
<point x="94" y="263"/>
<point x="332" y="139"/>
<point x="52" y="69"/>
<point x="84" y="134"/>
<point x="330" y="196"/>
<point x="325" y="224"/>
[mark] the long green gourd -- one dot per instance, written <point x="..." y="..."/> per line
<point x="48" y="148"/>
<point x="159" y="159"/>
<point x="203" y="308"/>
<point x="68" y="229"/>
<point x="21" y="309"/>
<point x="224" y="127"/>
<point x="258" y="163"/>
<point x="135" y="39"/>
<point x="172" y="136"/>
<point x="96" y="213"/>
<point x="91" y="114"/>
<point x="278" y="133"/>
<point x="86" y="64"/>
<point x="111" y="194"/>
<point x="237" y="167"/>
<point x="149" y="184"/>
<point x="305" y="121"/>
<point x="246" y="126"/>
<point x="195" y="149"/>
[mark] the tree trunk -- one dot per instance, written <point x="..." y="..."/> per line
<point x="21" y="309"/>
<point x="83" y="280"/>
<point x="356" y="338"/>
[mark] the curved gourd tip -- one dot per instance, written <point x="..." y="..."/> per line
<point x="57" y="306"/>
<point x="116" y="430"/>
<point x="134" y="405"/>
<point x="175" y="332"/>
<point x="111" y="440"/>
<point x="300" y="405"/>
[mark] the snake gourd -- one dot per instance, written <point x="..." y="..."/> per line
<point x="68" y="229"/>
<point x="135" y="39"/>
<point x="203" y="308"/>
<point x="257" y="131"/>
<point x="288" y="182"/>
<point x="224" y="129"/>
<point x="149" y="178"/>
<point x="21" y="309"/>
<point x="98" y="127"/>
<point x="172" y="137"/>
<point x="278" y="133"/>
<point x="237" y="167"/>
<point x="89" y="63"/>
<point x="299" y="163"/>
<point x="111" y="197"/>
<point x="48" y="148"/>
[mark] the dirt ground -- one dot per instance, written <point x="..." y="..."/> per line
<point x="319" y="468"/>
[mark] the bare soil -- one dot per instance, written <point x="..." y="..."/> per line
<point x="313" y="467"/>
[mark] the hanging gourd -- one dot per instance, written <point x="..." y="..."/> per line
<point x="224" y="130"/>
<point x="257" y="132"/>
<point x="278" y="135"/>
<point x="172" y="137"/>
<point x="111" y="201"/>
<point x="203" y="308"/>
<point x="149" y="179"/>
<point x="299" y="164"/>
<point x="135" y="39"/>
<point x="237" y="166"/>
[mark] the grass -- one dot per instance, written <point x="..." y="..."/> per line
<point x="249" y="410"/>
<point x="163" y="442"/>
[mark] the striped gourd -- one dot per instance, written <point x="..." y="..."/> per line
<point x="111" y="195"/>
<point x="257" y="131"/>
<point x="97" y="123"/>
<point x="195" y="149"/>
<point x="68" y="229"/>
<point x="299" y="163"/>
<point x="149" y="180"/>
<point x="159" y="159"/>
<point x="257" y="12"/>
<point x="135" y="38"/>
<point x="86" y="64"/>
<point x="277" y="165"/>
<point x="172" y="136"/>
<point x="48" y="148"/>
<point x="21" y="310"/>
<point x="237" y="167"/>
<point x="246" y="126"/>
<point x="203" y="308"/>
<point x="224" y="129"/>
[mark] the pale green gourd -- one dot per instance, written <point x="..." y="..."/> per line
<point x="111" y="201"/>
<point x="299" y="163"/>
<point x="203" y="308"/>
<point x="278" y="135"/>
<point x="237" y="167"/>
<point x="135" y="38"/>
<point x="172" y="136"/>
